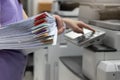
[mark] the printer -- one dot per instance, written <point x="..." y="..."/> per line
<point x="102" y="61"/>
<point x="107" y="51"/>
<point x="97" y="59"/>
<point x="66" y="8"/>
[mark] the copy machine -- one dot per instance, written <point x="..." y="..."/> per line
<point x="102" y="61"/>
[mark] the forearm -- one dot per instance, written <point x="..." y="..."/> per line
<point x="67" y="22"/>
<point x="24" y="15"/>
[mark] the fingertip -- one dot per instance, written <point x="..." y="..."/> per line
<point x="86" y="26"/>
<point x="92" y="30"/>
<point x="80" y="30"/>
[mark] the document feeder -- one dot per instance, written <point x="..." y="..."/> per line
<point x="86" y="39"/>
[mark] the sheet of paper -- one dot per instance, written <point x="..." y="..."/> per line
<point x="74" y="35"/>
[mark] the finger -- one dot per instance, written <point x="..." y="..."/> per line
<point x="59" y="21"/>
<point x="86" y="26"/>
<point x="59" y="24"/>
<point x="78" y="30"/>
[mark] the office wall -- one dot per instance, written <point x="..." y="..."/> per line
<point x="35" y="5"/>
<point x="35" y="2"/>
<point x="45" y="0"/>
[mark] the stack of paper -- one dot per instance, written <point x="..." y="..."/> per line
<point x="35" y="32"/>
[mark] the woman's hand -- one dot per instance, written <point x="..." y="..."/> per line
<point x="75" y="25"/>
<point x="60" y="24"/>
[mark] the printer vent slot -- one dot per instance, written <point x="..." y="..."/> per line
<point x="118" y="67"/>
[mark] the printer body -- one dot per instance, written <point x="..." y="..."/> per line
<point x="102" y="64"/>
<point x="108" y="70"/>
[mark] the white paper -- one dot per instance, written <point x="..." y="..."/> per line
<point x="19" y="35"/>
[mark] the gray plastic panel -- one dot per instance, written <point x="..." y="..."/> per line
<point x="108" y="24"/>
